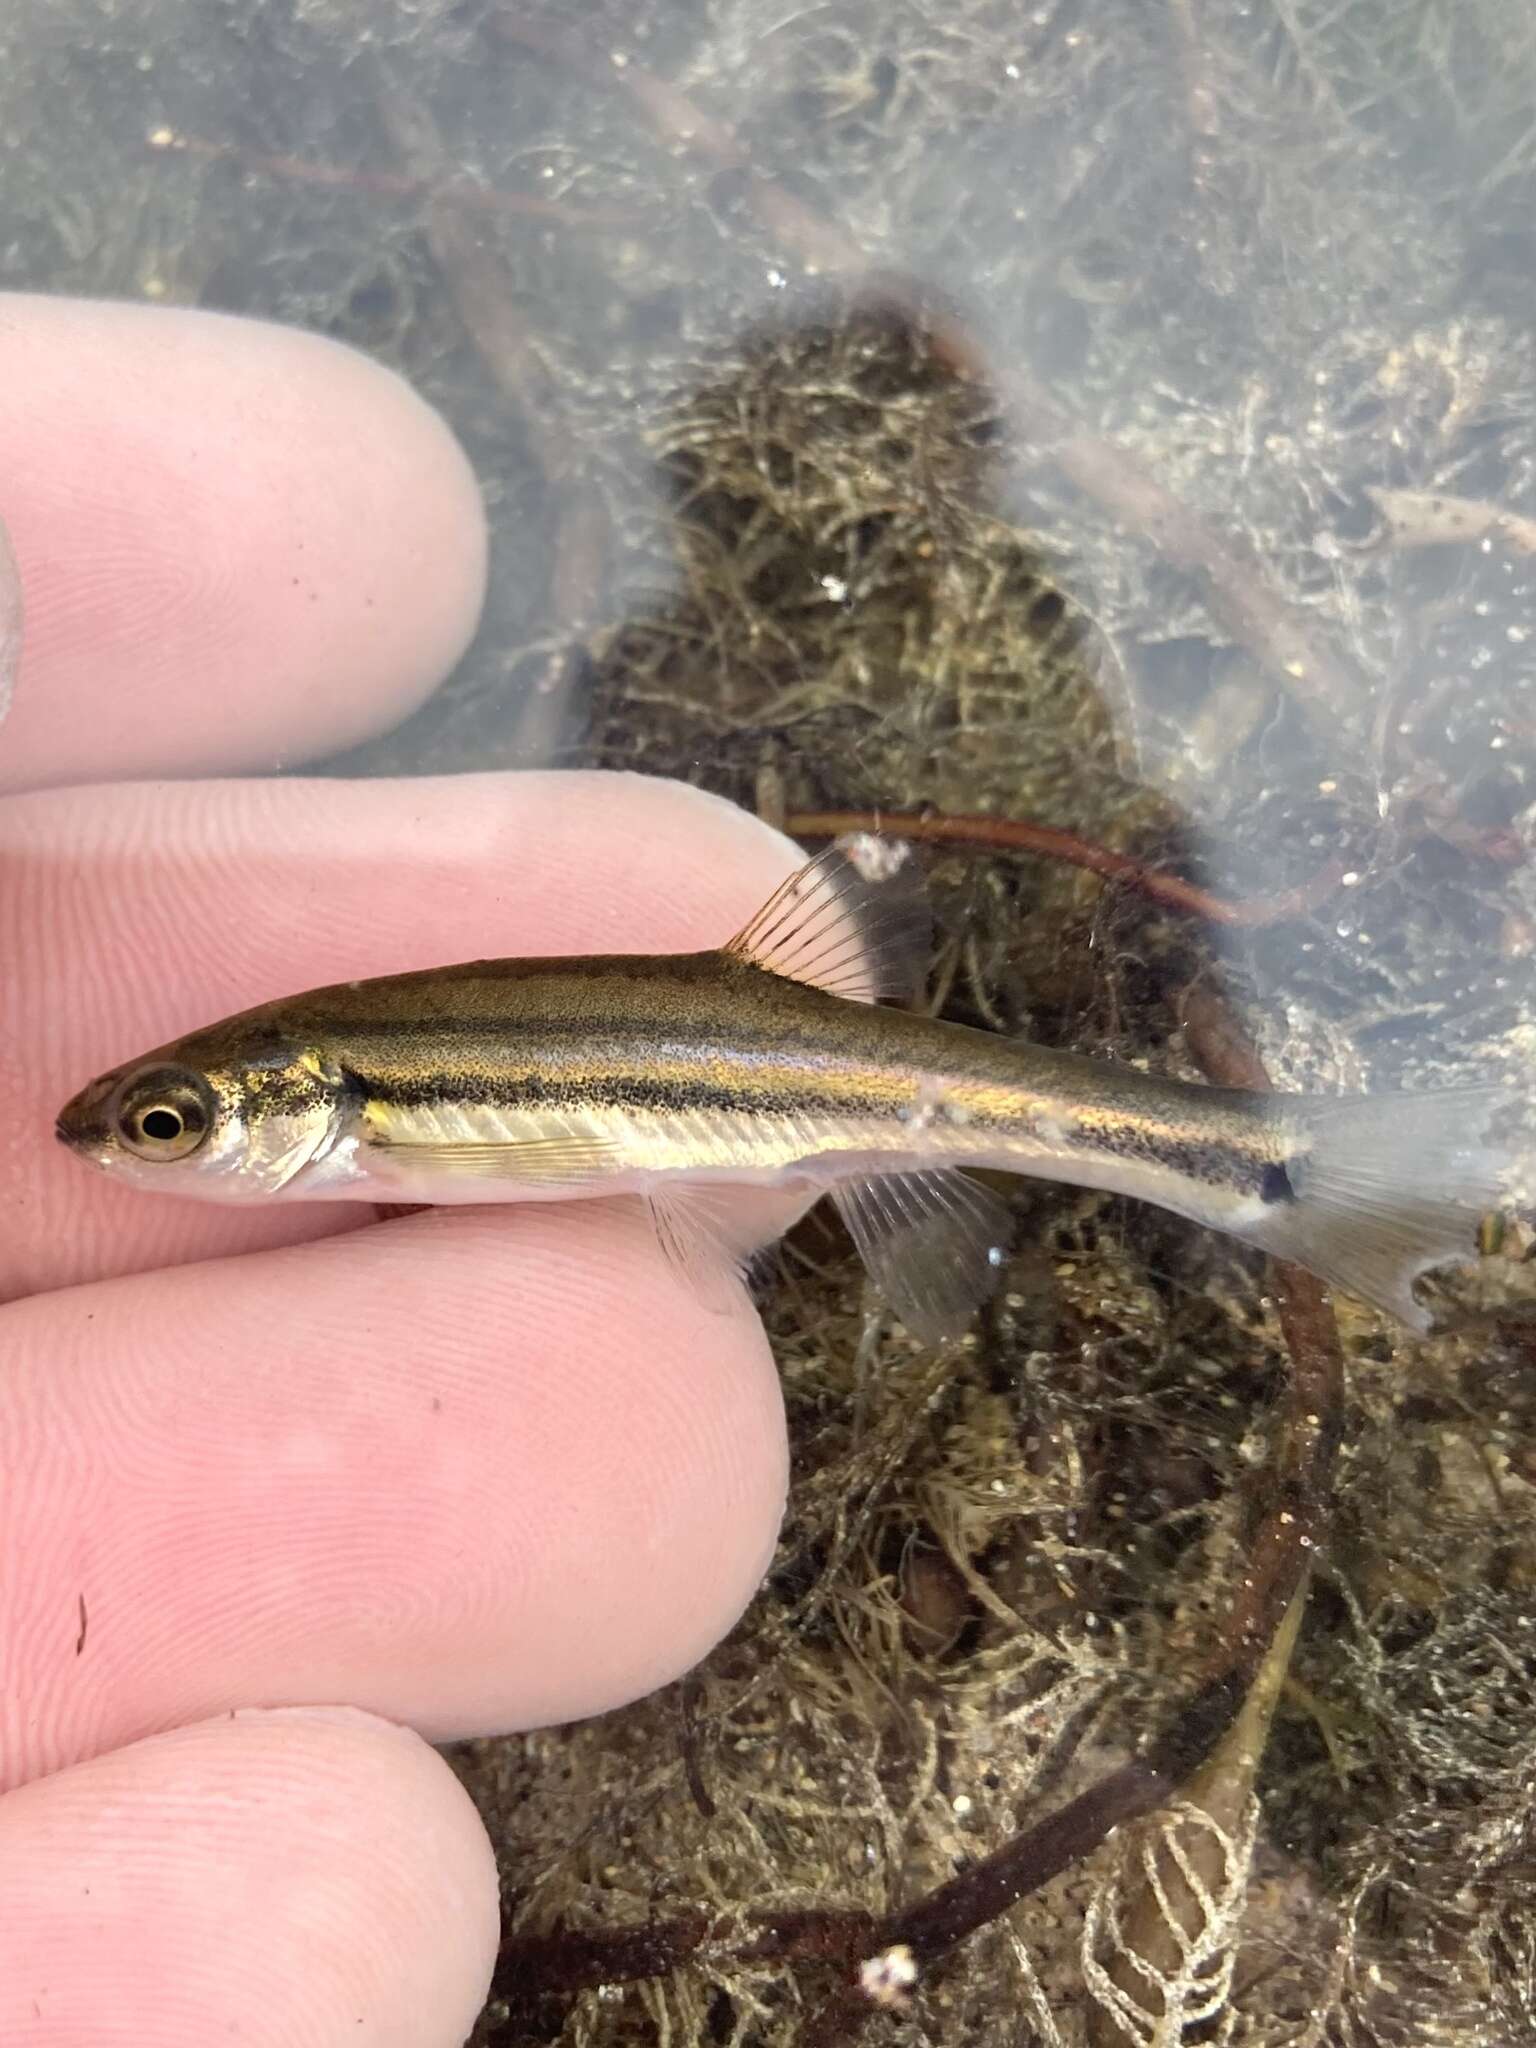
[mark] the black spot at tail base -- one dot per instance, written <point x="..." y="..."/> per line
<point x="1275" y="1184"/>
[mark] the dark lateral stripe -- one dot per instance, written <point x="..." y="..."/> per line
<point x="617" y="1088"/>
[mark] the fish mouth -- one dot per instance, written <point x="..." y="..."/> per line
<point x="82" y="1125"/>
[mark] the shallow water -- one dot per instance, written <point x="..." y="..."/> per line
<point x="1116" y="417"/>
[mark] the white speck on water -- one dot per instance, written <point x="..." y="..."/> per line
<point x="777" y="280"/>
<point x="835" y="588"/>
<point x="1012" y="71"/>
<point x="995" y="1255"/>
<point x="1351" y="880"/>
<point x="960" y="1805"/>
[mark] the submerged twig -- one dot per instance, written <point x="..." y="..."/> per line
<point x="821" y="247"/>
<point x="1227" y="1055"/>
<point x="463" y="191"/>
<point x="1432" y="519"/>
<point x="490" y="307"/>
<point x="1053" y="842"/>
<point x="1317" y="676"/>
<point x="1279" y="636"/>
<point x="485" y="297"/>
<point x="1200" y="104"/>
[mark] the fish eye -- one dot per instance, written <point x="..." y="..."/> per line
<point x="165" y="1114"/>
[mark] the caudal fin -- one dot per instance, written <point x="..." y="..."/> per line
<point x="1382" y="1188"/>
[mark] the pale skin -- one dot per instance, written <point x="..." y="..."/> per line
<point x="287" y="1495"/>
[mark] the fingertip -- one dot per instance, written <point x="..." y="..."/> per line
<point x="475" y="1470"/>
<point x="275" y="550"/>
<point x="271" y="1877"/>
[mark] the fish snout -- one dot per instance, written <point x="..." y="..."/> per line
<point x="83" y="1124"/>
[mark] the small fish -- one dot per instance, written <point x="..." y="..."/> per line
<point x="771" y="1062"/>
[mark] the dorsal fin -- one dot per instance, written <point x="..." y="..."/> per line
<point x="854" y="920"/>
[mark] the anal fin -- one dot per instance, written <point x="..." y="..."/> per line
<point x="934" y="1243"/>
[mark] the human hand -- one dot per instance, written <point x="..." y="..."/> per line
<point x="263" y="1469"/>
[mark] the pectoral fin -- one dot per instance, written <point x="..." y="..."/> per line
<point x="698" y="1231"/>
<point x="934" y="1244"/>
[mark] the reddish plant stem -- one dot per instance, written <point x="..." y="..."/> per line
<point x="577" y="1959"/>
<point x="1051" y="842"/>
<point x="1227" y="1055"/>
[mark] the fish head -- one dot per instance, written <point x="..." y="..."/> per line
<point x="230" y="1115"/>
